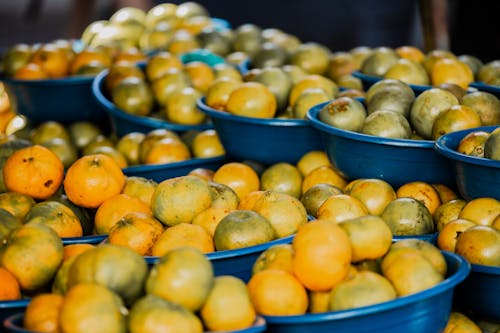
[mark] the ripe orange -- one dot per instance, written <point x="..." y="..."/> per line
<point x="9" y="287"/>
<point x="341" y="207"/>
<point x="238" y="176"/>
<point x="276" y="292"/>
<point x="42" y="313"/>
<point x="322" y="255"/>
<point x="183" y="235"/>
<point x="481" y="210"/>
<point x="421" y="191"/>
<point x="35" y="171"/>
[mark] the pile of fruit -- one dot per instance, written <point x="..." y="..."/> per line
<point x="341" y="237"/>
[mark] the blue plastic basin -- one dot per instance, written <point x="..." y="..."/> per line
<point x="267" y="141"/>
<point x="65" y="100"/>
<point x="13" y="324"/>
<point x="479" y="294"/>
<point x="422" y="312"/>
<point x="397" y="161"/>
<point x="476" y="177"/>
<point x="8" y="308"/>
<point x="160" y="172"/>
<point x="237" y="262"/>
<point x="90" y="239"/>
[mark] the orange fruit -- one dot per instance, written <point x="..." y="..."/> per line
<point x="447" y="238"/>
<point x="219" y="91"/>
<point x="457" y="117"/>
<point x="57" y="216"/>
<point x="458" y="322"/>
<point x="422" y="191"/>
<point x="275" y="292"/>
<point x="324" y="174"/>
<point x="311" y="160"/>
<point x="140" y="188"/>
<point x="113" y="209"/>
<point x="201" y="75"/>
<point x="228" y="306"/>
<point x="179" y="200"/>
<point x="375" y="194"/>
<point x="16" y="203"/>
<point x="340" y="207"/>
<point x="248" y="201"/>
<point x="9" y="287"/>
<point x="210" y="218"/>
<point x="167" y="150"/>
<point x="445" y="193"/>
<point x="411" y="53"/>
<point x="44" y="168"/>
<point x="454" y="71"/>
<point x="42" y="313"/>
<point x="161" y="63"/>
<point x="72" y="250"/>
<point x="285" y="212"/>
<point x="92" y="179"/>
<point x="183" y="235"/>
<point x="136" y="230"/>
<point x="252" y="99"/>
<point x="183" y="275"/>
<point x="87" y="56"/>
<point x="322" y="255"/>
<point x="282" y="177"/>
<point x="52" y="59"/>
<point x="312" y="81"/>
<point x="203" y="173"/>
<point x="30" y="71"/>
<point x="448" y="212"/>
<point x="279" y="256"/>
<point x="238" y="176"/>
<point x="207" y="144"/>
<point x="481" y="211"/>
<point x="479" y="244"/>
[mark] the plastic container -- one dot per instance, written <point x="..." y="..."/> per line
<point x="65" y="100"/>
<point x="422" y="312"/>
<point x="123" y="122"/>
<point x="13" y="324"/>
<point x="475" y="176"/>
<point x="397" y="161"/>
<point x="479" y="294"/>
<point x="90" y="239"/>
<point x="236" y="262"/>
<point x="8" y="308"/>
<point x="267" y="141"/>
<point x="160" y="172"/>
<point x="369" y="80"/>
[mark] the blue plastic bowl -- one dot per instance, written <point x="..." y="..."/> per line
<point x="267" y="141"/>
<point x="237" y="262"/>
<point x="422" y="312"/>
<point x="8" y="308"/>
<point x="90" y="239"/>
<point x="486" y="87"/>
<point x="123" y="122"/>
<point x="476" y="177"/>
<point x="479" y="294"/>
<point x="14" y="324"/>
<point x="397" y="161"/>
<point x="369" y="80"/>
<point x="65" y="100"/>
<point x="160" y="172"/>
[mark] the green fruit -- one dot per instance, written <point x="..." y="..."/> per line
<point x="387" y="124"/>
<point x="492" y="145"/>
<point x="344" y="113"/>
<point x="408" y="216"/>
<point x="278" y="83"/>
<point x="485" y="104"/>
<point x="379" y="61"/>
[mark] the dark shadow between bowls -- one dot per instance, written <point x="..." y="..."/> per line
<point x="397" y="161"/>
<point x="263" y="140"/>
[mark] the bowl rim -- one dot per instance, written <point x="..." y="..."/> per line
<point x="142" y="120"/>
<point x="485" y="87"/>
<point x="373" y="79"/>
<point x="165" y="166"/>
<point x="442" y="146"/>
<point x="227" y="254"/>
<point x="259" y="325"/>
<point x="14" y="303"/>
<point x="312" y="115"/>
<point x="485" y="269"/>
<point x="90" y="239"/>
<point x="64" y="81"/>
<point x="278" y="122"/>
<point x="448" y="283"/>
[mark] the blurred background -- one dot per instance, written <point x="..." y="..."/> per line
<point x="462" y="26"/>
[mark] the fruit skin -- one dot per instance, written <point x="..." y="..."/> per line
<point x="179" y="200"/>
<point x="242" y="228"/>
<point x="153" y="313"/>
<point x="408" y="216"/>
<point x="42" y="313"/>
<point x="492" y="145"/>
<point x="252" y="99"/>
<point x="228" y="306"/>
<point x="32" y="254"/>
<point x="9" y="287"/>
<point x="183" y="275"/>
<point x="92" y="179"/>
<point x="90" y="307"/>
<point x="116" y="267"/>
<point x="44" y="168"/>
<point x="57" y="216"/>
<point x="344" y="113"/>
<point x="479" y="245"/>
<point x="9" y="224"/>
<point x="322" y="255"/>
